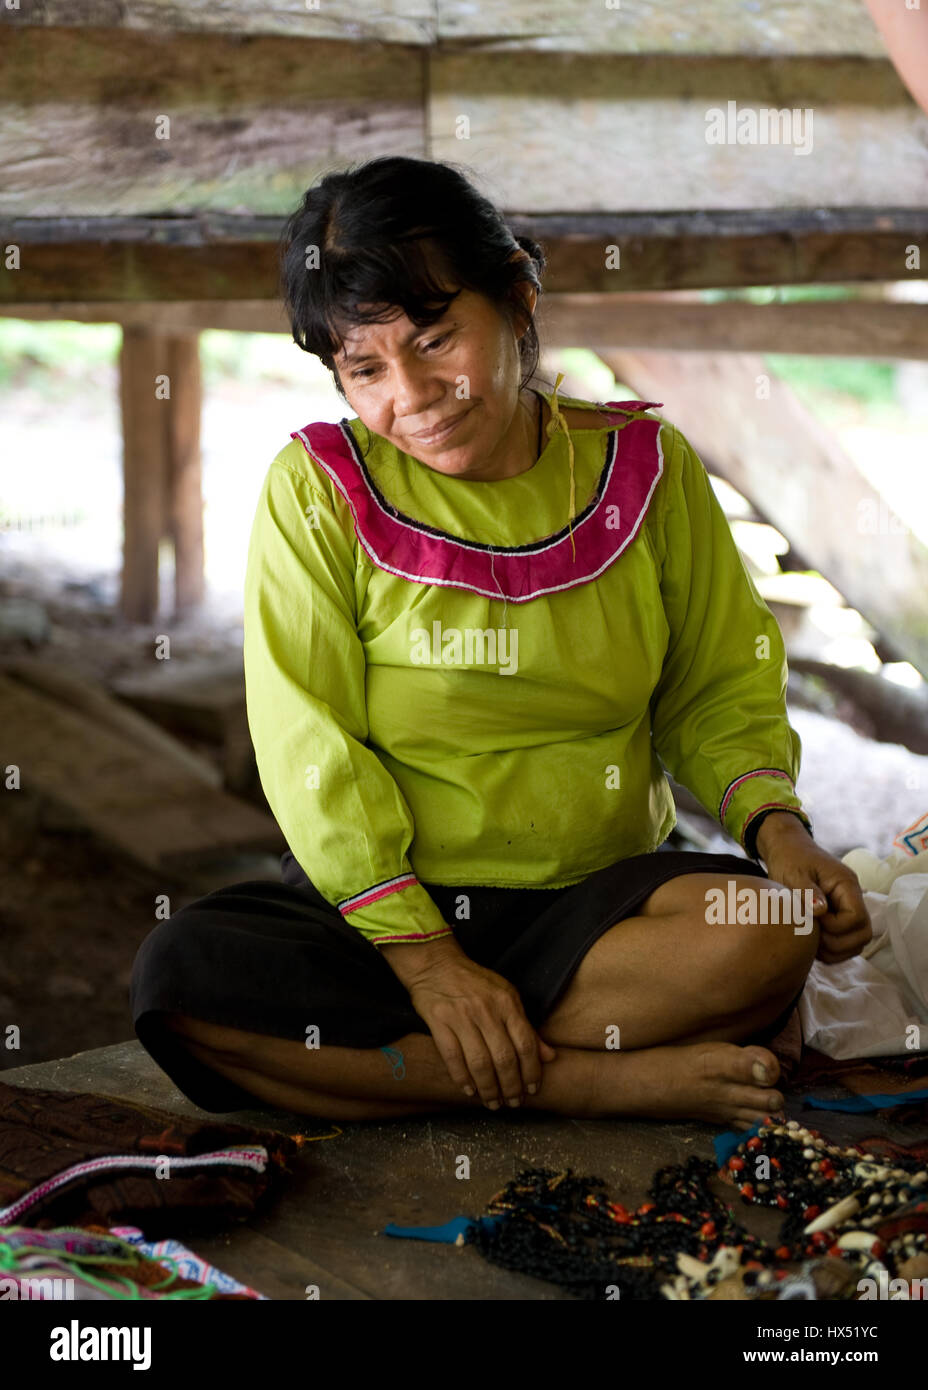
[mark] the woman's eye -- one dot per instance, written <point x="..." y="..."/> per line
<point x="363" y="373"/>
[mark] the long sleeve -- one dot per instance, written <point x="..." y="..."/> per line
<point x="718" y="712"/>
<point x="343" y="815"/>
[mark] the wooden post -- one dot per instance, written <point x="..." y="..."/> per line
<point x="160" y="395"/>
<point x="185" y="493"/>
<point x="143" y="358"/>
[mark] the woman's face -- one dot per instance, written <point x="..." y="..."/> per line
<point x="464" y="370"/>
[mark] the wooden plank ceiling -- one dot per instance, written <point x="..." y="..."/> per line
<point x="587" y="125"/>
<point x="781" y="27"/>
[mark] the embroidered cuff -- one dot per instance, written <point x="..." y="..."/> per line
<point x="748" y="798"/>
<point x="396" y="909"/>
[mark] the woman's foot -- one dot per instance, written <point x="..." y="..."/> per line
<point x="714" y="1081"/>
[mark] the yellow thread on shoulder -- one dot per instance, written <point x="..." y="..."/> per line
<point x="558" y="421"/>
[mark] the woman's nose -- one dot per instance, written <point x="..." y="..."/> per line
<point x="415" y="392"/>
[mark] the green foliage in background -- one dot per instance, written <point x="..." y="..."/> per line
<point x="779" y="294"/>
<point x="60" y="355"/>
<point x="63" y="356"/>
<point x="871" y="383"/>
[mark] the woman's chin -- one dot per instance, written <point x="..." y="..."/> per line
<point x="454" y="462"/>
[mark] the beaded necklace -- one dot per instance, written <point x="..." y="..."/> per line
<point x="834" y="1198"/>
<point x="683" y="1240"/>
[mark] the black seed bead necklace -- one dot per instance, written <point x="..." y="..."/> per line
<point x="563" y="1229"/>
<point x="683" y="1239"/>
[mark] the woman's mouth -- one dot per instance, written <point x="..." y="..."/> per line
<point x="440" y="435"/>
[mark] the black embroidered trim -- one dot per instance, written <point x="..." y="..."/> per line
<point x="544" y="544"/>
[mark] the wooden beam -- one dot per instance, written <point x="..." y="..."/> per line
<point x="224" y="122"/>
<point x="220" y="258"/>
<point x="90" y="697"/>
<point x="792" y="470"/>
<point x="390" y="21"/>
<point x="896" y="714"/>
<point x="827" y="27"/>
<point x="549" y="131"/>
<point x="194" y="123"/>
<point x="829" y="327"/>
<point x="788" y="28"/>
<point x="165" y="316"/>
<point x="205" y="699"/>
<point x="858" y="327"/>
<point x="141" y="270"/>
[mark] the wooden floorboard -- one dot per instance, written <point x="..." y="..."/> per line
<point x="325" y="1227"/>
<point x="273" y="1269"/>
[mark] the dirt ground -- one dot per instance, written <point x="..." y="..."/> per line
<point x="73" y="917"/>
<point x="72" y="911"/>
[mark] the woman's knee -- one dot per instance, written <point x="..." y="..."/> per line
<point x="765" y="940"/>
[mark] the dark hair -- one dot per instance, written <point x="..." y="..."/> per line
<point x="382" y="232"/>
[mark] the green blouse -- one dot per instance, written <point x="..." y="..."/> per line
<point x="448" y="683"/>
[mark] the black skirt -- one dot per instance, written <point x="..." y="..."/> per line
<point x="277" y="958"/>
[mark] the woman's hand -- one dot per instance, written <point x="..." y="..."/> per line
<point x="477" y="1022"/>
<point x="794" y="859"/>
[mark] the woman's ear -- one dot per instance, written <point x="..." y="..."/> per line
<point x="523" y="293"/>
<point x="528" y="295"/>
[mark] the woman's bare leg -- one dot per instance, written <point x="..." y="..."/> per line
<point x="664" y="976"/>
<point x="668" y="975"/>
<point x="709" y="1081"/>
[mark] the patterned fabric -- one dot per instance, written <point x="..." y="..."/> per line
<point x="77" y="1158"/>
<point x="411" y="549"/>
<point x="91" y="1265"/>
<point x="914" y="839"/>
<point x="185" y="1262"/>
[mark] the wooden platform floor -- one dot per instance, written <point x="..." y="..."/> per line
<point x="325" y="1227"/>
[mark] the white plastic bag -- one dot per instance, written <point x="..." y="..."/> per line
<point x="876" y="1004"/>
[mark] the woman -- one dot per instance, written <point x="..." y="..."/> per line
<point x="475" y="616"/>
